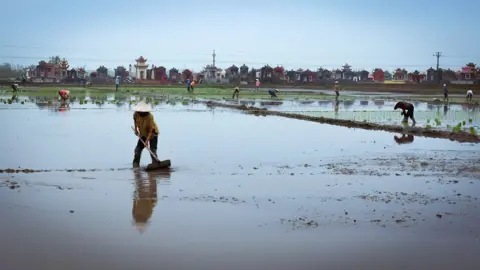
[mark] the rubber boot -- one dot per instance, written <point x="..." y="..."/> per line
<point x="136" y="159"/>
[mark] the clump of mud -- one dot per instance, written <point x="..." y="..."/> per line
<point x="460" y="136"/>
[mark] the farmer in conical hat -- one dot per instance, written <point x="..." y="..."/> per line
<point x="64" y="95"/>
<point x="146" y="128"/>
<point x="273" y="93"/>
<point x="469" y="95"/>
<point x="336" y="88"/>
<point x="407" y="111"/>
<point x="236" y="92"/>
<point x="257" y="84"/>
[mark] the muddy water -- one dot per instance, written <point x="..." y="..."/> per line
<point x="245" y="192"/>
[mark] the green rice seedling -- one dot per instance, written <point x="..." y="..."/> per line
<point x="473" y="131"/>
<point x="470" y="120"/>
<point x="23" y="102"/>
<point x="9" y="101"/>
<point x="438" y="122"/>
<point x="185" y="102"/>
<point x="49" y="102"/>
<point x="457" y="128"/>
<point x="428" y="127"/>
<point x="85" y="101"/>
<point x="81" y="102"/>
<point x="464" y="123"/>
<point x="156" y="102"/>
<point x="428" y="121"/>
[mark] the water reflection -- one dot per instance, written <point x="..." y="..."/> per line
<point x="145" y="196"/>
<point x="445" y="109"/>
<point x="406" y="138"/>
<point x="337" y="103"/>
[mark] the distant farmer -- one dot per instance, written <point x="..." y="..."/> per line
<point x="117" y="83"/>
<point x="15" y="87"/>
<point x="257" y="84"/>
<point x="469" y="95"/>
<point x="64" y="94"/>
<point x="188" y="83"/>
<point x="273" y="93"/>
<point x="445" y="92"/>
<point x="336" y="88"/>
<point x="407" y="111"/>
<point x="192" y="85"/>
<point x="236" y="93"/>
<point x="146" y="128"/>
<point x="89" y="83"/>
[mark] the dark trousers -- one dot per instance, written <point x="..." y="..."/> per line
<point x="235" y="94"/>
<point x="408" y="114"/>
<point x="337" y="94"/>
<point x="116" y="87"/>
<point x="272" y="94"/>
<point x="153" y="145"/>
<point x="445" y="96"/>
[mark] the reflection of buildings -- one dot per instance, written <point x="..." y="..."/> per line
<point x="145" y="196"/>
<point x="406" y="138"/>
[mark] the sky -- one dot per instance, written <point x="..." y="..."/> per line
<point x="304" y="34"/>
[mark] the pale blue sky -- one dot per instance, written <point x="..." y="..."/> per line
<point x="295" y="34"/>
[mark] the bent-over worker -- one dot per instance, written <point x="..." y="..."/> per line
<point x="407" y="110"/>
<point x="236" y="93"/>
<point x="273" y="93"/>
<point x="64" y="94"/>
<point x="15" y="87"/>
<point x="469" y="95"/>
<point x="146" y="128"/>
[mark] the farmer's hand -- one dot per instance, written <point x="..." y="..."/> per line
<point x="146" y="143"/>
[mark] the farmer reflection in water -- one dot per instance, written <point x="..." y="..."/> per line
<point x="337" y="103"/>
<point x="144" y="198"/>
<point x="406" y="138"/>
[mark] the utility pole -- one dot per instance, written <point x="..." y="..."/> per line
<point x="438" y="55"/>
<point x="214" y="58"/>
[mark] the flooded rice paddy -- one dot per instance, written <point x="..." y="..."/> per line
<point x="244" y="192"/>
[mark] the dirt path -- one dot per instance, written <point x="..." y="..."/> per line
<point x="462" y="136"/>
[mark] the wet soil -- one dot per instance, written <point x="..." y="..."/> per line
<point x="460" y="136"/>
<point x="245" y="193"/>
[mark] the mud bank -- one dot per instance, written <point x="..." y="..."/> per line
<point x="463" y="137"/>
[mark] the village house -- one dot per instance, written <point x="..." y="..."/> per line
<point x="467" y="73"/>
<point x="400" y="75"/>
<point x="378" y="75"/>
<point x="416" y="76"/>
<point x="243" y="73"/>
<point x="174" y="76"/>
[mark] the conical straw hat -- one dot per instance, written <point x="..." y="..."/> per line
<point x="142" y="106"/>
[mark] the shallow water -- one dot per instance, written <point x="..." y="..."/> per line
<point x="245" y="192"/>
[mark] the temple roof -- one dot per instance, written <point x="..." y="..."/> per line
<point x="141" y="60"/>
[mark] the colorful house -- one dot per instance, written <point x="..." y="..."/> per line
<point x="400" y="75"/>
<point x="378" y="75"/>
